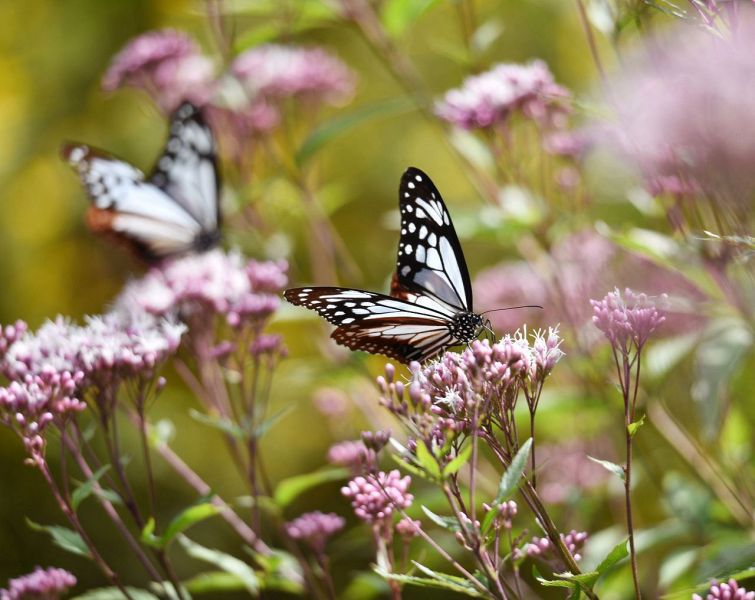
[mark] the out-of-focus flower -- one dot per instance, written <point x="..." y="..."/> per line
<point x="542" y="547"/>
<point x="376" y="496"/>
<point x="278" y="71"/>
<point x="352" y="454"/>
<point x="212" y="283"/>
<point x="627" y="319"/>
<point x="331" y="402"/>
<point x="681" y="110"/>
<point x="408" y="528"/>
<point x="40" y="584"/>
<point x="315" y="528"/>
<point x="271" y="346"/>
<point x="167" y="64"/>
<point x="725" y="591"/>
<point x="571" y="144"/>
<point x="565" y="468"/>
<point x="492" y="97"/>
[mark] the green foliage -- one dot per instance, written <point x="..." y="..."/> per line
<point x="434" y="580"/>
<point x="63" y="538"/>
<point x="180" y="523"/>
<point x="225" y="562"/>
<point x="290" y="489"/>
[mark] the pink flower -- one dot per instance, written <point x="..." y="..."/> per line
<point x="352" y="454"/>
<point x="277" y="71"/>
<point x="376" y="496"/>
<point x="408" y="528"/>
<point x="331" y="402"/>
<point x="726" y="591"/>
<point x="566" y="470"/>
<point x="207" y="284"/>
<point x="40" y="584"/>
<point x="167" y="64"/>
<point x="542" y="547"/>
<point x="492" y="97"/>
<point x="682" y="109"/>
<point x="627" y="320"/>
<point x="315" y="528"/>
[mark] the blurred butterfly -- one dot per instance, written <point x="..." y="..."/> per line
<point x="172" y="212"/>
<point x="430" y="306"/>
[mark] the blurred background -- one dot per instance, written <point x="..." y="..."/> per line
<point x="53" y="57"/>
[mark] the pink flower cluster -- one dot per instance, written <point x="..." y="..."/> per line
<point x="111" y="345"/>
<point x="542" y="547"/>
<point x="375" y="497"/>
<point x="40" y="584"/>
<point x="627" y="320"/>
<point x="352" y="454"/>
<point x="274" y="71"/>
<point x="167" y="64"/>
<point x="315" y="528"/>
<point x="725" y="591"/>
<point x="408" y="528"/>
<point x="490" y="98"/>
<point x="506" y="511"/>
<point x="208" y="284"/>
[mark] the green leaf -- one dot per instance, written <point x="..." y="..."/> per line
<point x="437" y="581"/>
<point x="449" y="523"/>
<point x="290" y="489"/>
<point x="403" y="461"/>
<point x="617" y="470"/>
<point x="223" y="424"/>
<point x="67" y="539"/>
<point x="510" y="479"/>
<point x="343" y="122"/>
<point x="225" y="562"/>
<point x="458" y="462"/>
<point x="113" y="593"/>
<point x="427" y="461"/>
<point x="281" y="571"/>
<point x="188" y="517"/>
<point x="268" y="423"/>
<point x="213" y="581"/>
<point x="398" y="15"/>
<point x="85" y="490"/>
<point x="634" y="427"/>
<point x="620" y="551"/>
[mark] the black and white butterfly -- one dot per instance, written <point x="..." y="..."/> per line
<point x="430" y="306"/>
<point x="172" y="212"/>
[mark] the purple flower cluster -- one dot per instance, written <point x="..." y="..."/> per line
<point x="315" y="528"/>
<point x="376" y="496"/>
<point x="208" y="284"/>
<point x="725" y="591"/>
<point x="490" y="98"/>
<point x="661" y="126"/>
<point x="543" y="548"/>
<point x="40" y="584"/>
<point x="627" y="320"/>
<point x="167" y="64"/>
<point x="274" y="71"/>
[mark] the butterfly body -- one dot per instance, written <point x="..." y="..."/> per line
<point x="172" y="212"/>
<point x="430" y="305"/>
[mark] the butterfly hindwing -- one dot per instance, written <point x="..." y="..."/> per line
<point x="173" y="212"/>
<point x="430" y="258"/>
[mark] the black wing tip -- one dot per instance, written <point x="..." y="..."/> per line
<point x="412" y="172"/>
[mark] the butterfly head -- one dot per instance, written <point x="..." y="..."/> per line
<point x="206" y="240"/>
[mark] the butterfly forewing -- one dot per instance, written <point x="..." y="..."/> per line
<point x="430" y="258"/>
<point x="173" y="212"/>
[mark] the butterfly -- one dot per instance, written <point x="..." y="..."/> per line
<point x="172" y="212"/>
<point x="430" y="304"/>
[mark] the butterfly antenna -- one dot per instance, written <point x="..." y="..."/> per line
<point x="512" y="308"/>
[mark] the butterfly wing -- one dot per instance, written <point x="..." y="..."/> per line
<point x="175" y="210"/>
<point x="430" y="259"/>
<point x="377" y="323"/>
<point x="187" y="170"/>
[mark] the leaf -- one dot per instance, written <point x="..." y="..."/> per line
<point x="620" y="551"/>
<point x="225" y="562"/>
<point x="403" y="462"/>
<point x="213" y="581"/>
<point x="67" y="539"/>
<point x="398" y="15"/>
<point x="510" y="479"/>
<point x="290" y="489"/>
<point x="85" y="490"/>
<point x="634" y="427"/>
<point x="427" y="461"/>
<point x="444" y="582"/>
<point x="188" y="517"/>
<point x="617" y="470"/>
<point x="268" y="423"/>
<point x="343" y="122"/>
<point x="281" y="571"/>
<point x="458" y="462"/>
<point x="449" y="523"/>
<point x="113" y="593"/>
<point x="223" y="424"/>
